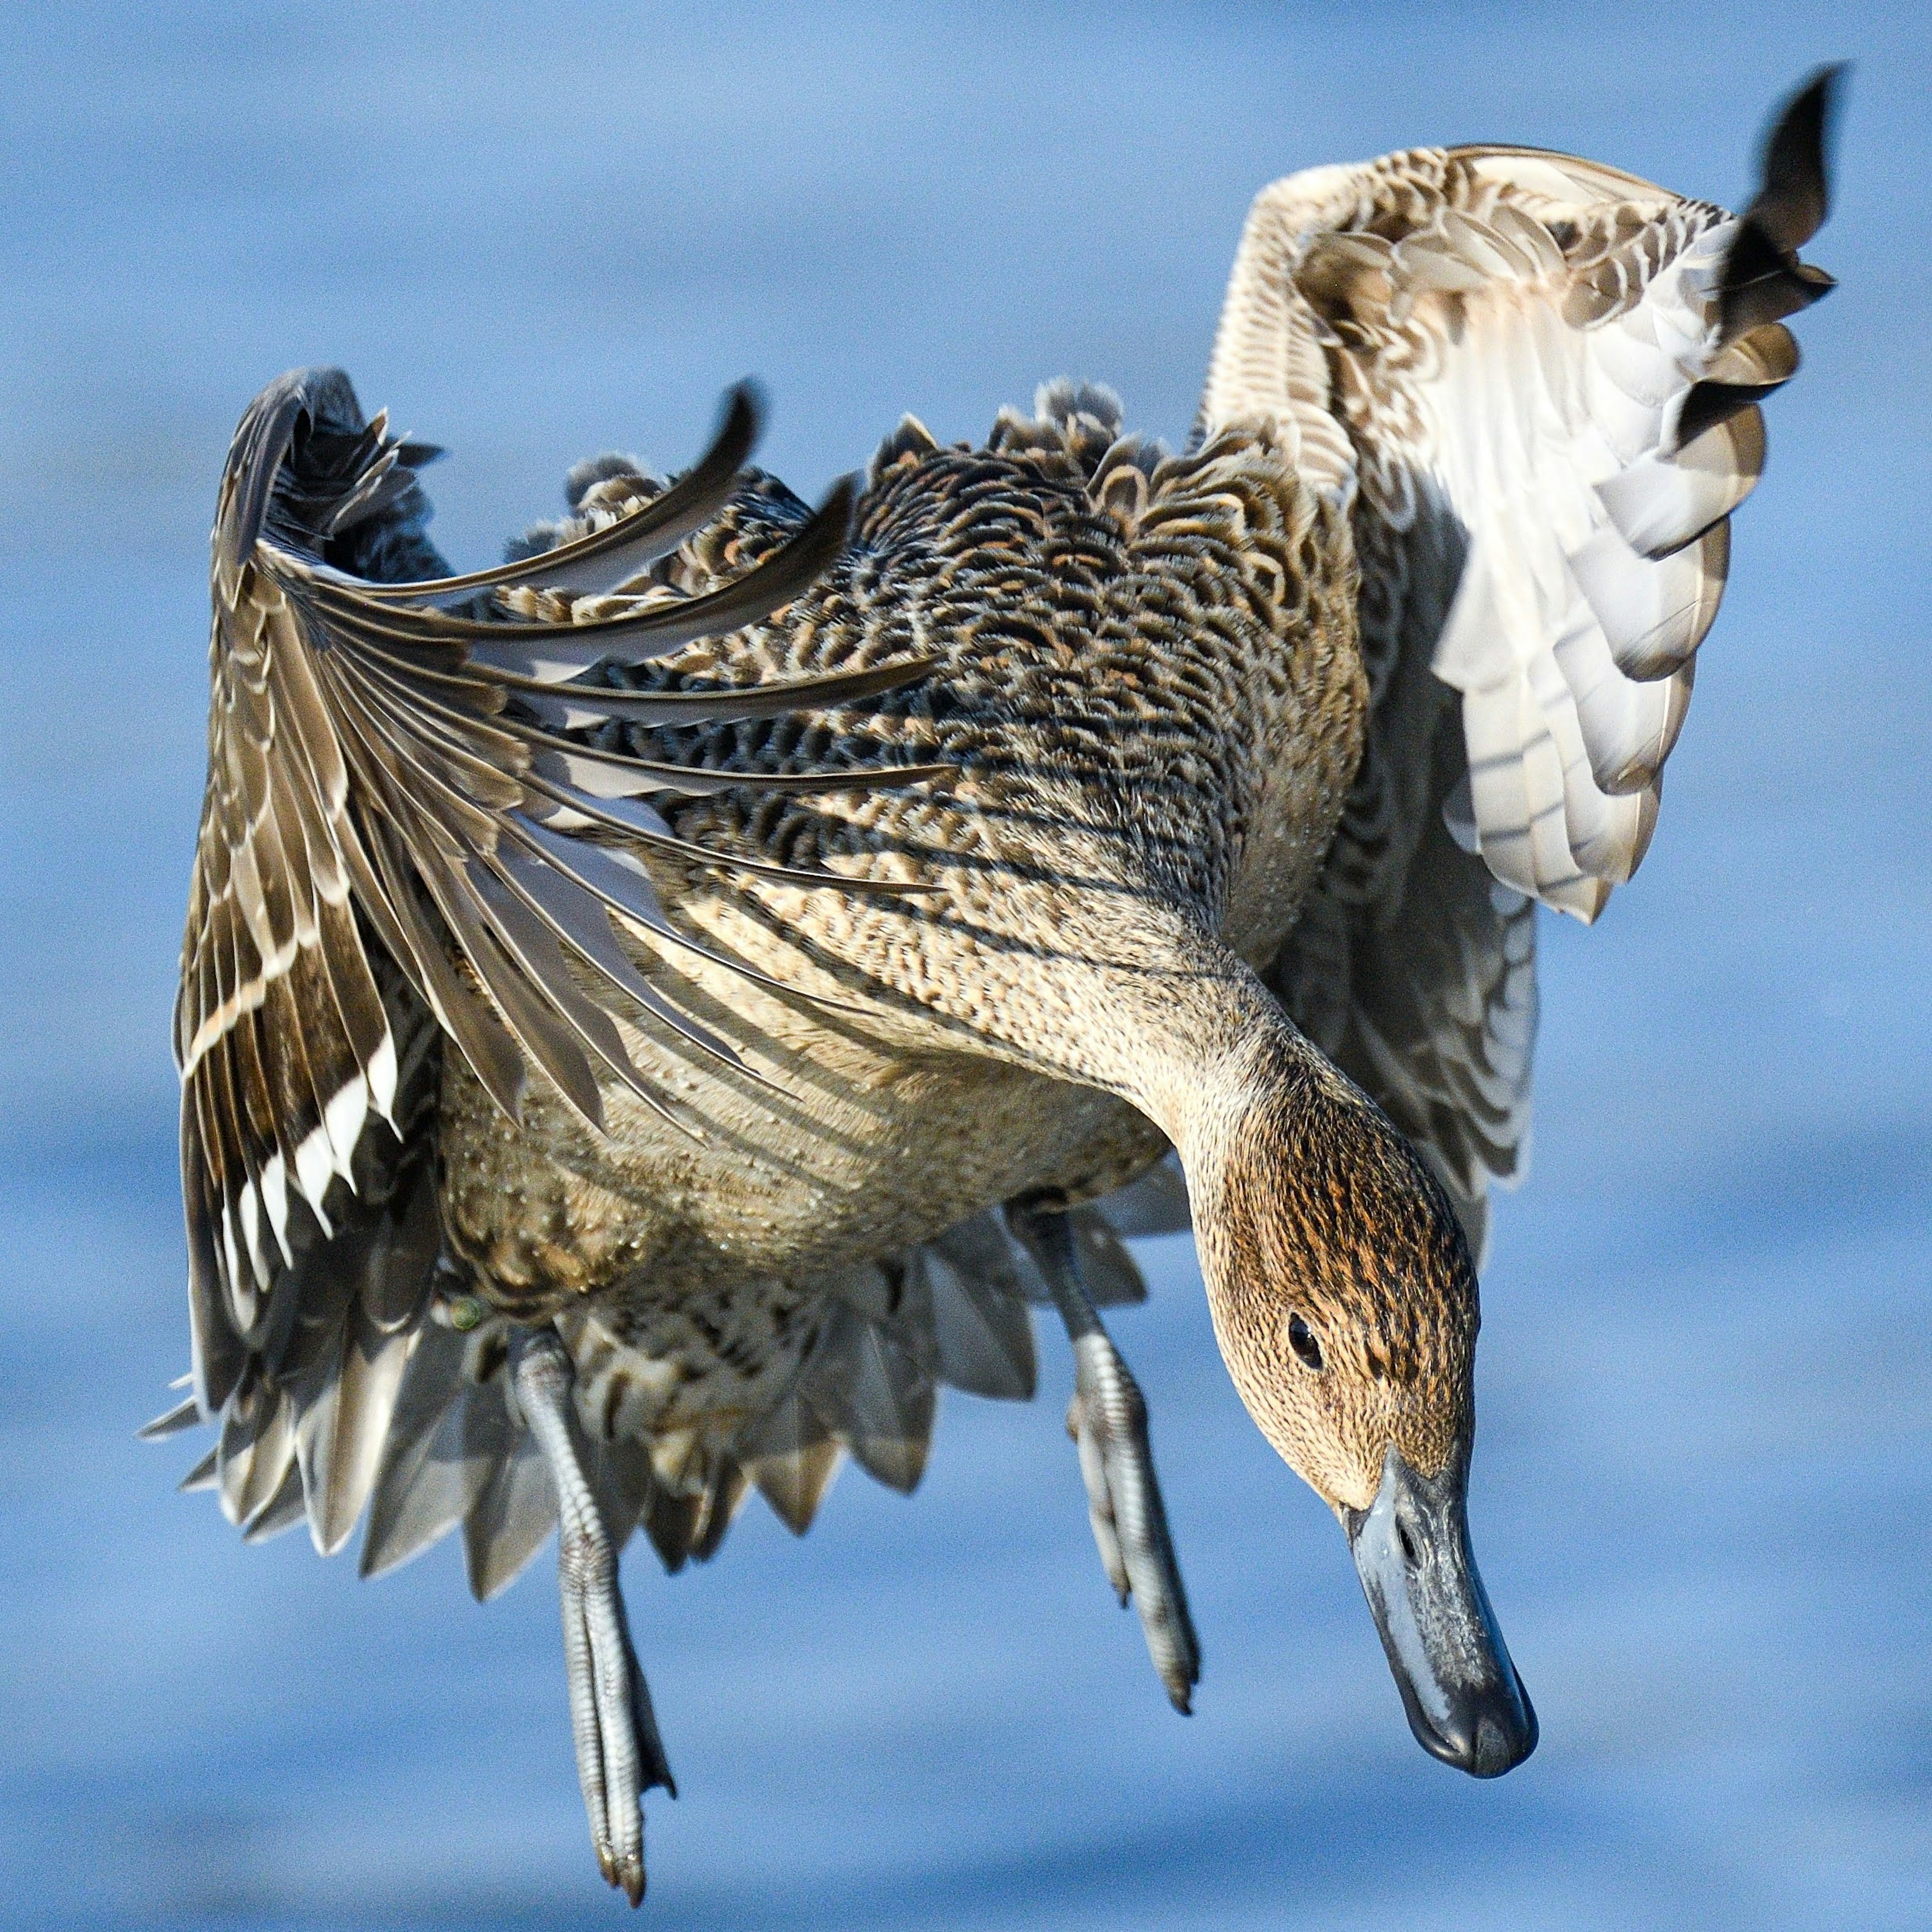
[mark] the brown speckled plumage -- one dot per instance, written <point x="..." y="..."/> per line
<point x="1150" y="693"/>
<point x="1124" y="719"/>
<point x="622" y="990"/>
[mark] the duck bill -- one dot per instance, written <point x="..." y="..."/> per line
<point x="1465" y="1703"/>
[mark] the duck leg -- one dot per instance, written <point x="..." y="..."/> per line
<point x="618" y="1754"/>
<point x="1107" y="1418"/>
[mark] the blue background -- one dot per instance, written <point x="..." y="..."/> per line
<point x="1702" y="1491"/>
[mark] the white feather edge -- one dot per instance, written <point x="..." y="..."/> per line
<point x="326" y="1151"/>
<point x="1574" y="656"/>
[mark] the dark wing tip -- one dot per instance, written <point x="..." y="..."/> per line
<point x="742" y="424"/>
<point x="840" y="498"/>
<point x="626" y="545"/>
<point x="1763" y="279"/>
<point x="830" y="529"/>
<point x="742" y="417"/>
<point x="823" y="541"/>
<point x="1794" y="192"/>
<point x="262" y="439"/>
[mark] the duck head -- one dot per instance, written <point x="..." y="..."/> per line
<point x="1344" y="1299"/>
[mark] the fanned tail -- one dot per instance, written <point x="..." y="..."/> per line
<point x="401" y="1397"/>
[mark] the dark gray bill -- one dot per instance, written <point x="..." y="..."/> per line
<point x="1465" y="1703"/>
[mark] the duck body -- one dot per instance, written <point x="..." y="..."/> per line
<point x="619" y="986"/>
<point x="1147" y="682"/>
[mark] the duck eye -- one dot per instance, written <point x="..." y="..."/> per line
<point x="1301" y="1339"/>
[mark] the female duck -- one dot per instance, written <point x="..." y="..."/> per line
<point x="551" y="1155"/>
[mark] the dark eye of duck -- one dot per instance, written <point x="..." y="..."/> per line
<point x="1301" y="1339"/>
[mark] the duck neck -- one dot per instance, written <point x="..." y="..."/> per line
<point x="1236" y="1089"/>
<point x="1211" y="1080"/>
<point x="1198" y="1047"/>
<point x="1150" y="1007"/>
<point x="1307" y="1201"/>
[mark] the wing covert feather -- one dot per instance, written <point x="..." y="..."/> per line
<point x="1535" y="379"/>
<point x="392" y="863"/>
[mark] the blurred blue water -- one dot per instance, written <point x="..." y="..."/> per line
<point x="1702" y="1493"/>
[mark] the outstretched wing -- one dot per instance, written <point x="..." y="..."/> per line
<point x="1536" y="379"/>
<point x="402" y="852"/>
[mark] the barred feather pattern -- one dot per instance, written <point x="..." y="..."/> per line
<point x="391" y="867"/>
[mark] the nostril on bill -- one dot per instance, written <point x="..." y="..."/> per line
<point x="1461" y="1693"/>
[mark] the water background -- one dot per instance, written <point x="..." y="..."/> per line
<point x="1702" y="1492"/>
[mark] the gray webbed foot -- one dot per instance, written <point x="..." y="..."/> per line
<point x="1107" y="1419"/>
<point x="619" y="1756"/>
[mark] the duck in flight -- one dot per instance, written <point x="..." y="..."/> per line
<point x="650" y="1012"/>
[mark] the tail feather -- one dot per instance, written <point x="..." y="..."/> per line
<point x="508" y="1522"/>
<point x="286" y="1508"/>
<point x="379" y="1406"/>
<point x="429" y="1479"/>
